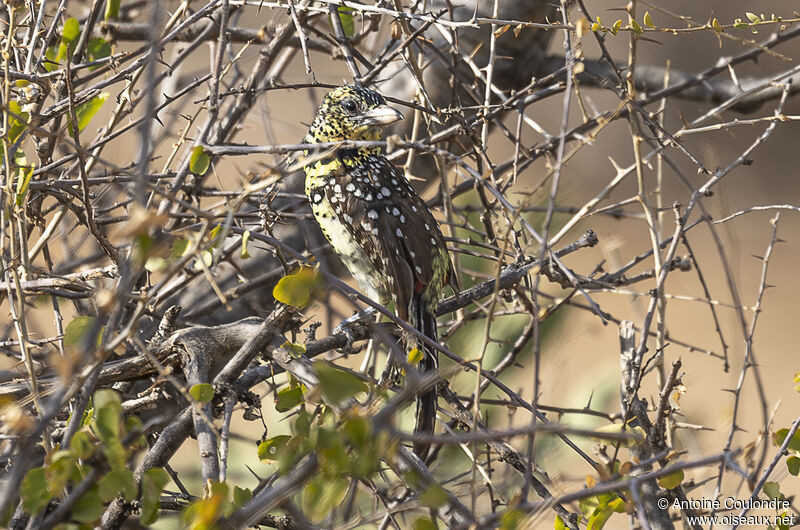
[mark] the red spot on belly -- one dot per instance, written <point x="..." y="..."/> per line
<point x="418" y="287"/>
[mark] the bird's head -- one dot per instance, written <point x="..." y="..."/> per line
<point x="351" y="113"/>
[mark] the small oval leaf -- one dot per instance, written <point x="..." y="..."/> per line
<point x="72" y="29"/>
<point x="296" y="289"/>
<point x="202" y="392"/>
<point x="288" y="398"/>
<point x="76" y="330"/>
<point x="672" y="480"/>
<point x="86" y="111"/>
<point x="153" y="482"/>
<point x="793" y="463"/>
<point x="199" y="161"/>
<point x="337" y="385"/>
<point x="268" y="449"/>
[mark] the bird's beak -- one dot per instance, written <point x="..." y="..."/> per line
<point x="380" y="116"/>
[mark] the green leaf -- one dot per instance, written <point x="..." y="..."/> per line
<point x="118" y="481"/>
<point x="321" y="495"/>
<point x="773" y="490"/>
<point x="296" y="289"/>
<point x="337" y="385"/>
<point x="56" y="54"/>
<point x="80" y="445"/>
<point x="755" y="19"/>
<point x="241" y="496"/>
<point x="245" y="243"/>
<point x="205" y="257"/>
<point x="780" y="436"/>
<point x="672" y="480"/>
<point x="88" y="508"/>
<point x="78" y="329"/>
<point x="98" y="48"/>
<point x="793" y="463"/>
<point x="600" y="517"/>
<point x="433" y="497"/>
<point x="179" y="249"/>
<point x="648" y="20"/>
<point x="423" y="523"/>
<point x="716" y="25"/>
<point x="415" y="355"/>
<point x="288" y="398"/>
<point x="357" y="430"/>
<point x="199" y="161"/>
<point x="153" y="481"/>
<point x="636" y="27"/>
<point x="59" y="470"/>
<point x="213" y="235"/>
<point x="112" y="9"/>
<point x="156" y="264"/>
<point x="34" y="491"/>
<point x="71" y="31"/>
<point x="616" y="27"/>
<point x="17" y="121"/>
<point x="512" y="519"/>
<point x="558" y="524"/>
<point x="204" y="513"/>
<point x="268" y="449"/>
<point x="797" y="382"/>
<point x="53" y="56"/>
<point x="202" y="393"/>
<point x="346" y="16"/>
<point x="86" y="111"/>
<point x="296" y="349"/>
<point x="23" y="181"/>
<point x="106" y="425"/>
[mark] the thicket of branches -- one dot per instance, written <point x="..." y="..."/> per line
<point x="164" y="278"/>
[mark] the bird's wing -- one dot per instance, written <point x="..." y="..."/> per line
<point x="381" y="200"/>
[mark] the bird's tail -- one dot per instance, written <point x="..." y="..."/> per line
<point x="423" y="319"/>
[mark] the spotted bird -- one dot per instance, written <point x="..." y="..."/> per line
<point x="377" y="224"/>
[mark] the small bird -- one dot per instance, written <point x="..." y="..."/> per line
<point x="377" y="224"/>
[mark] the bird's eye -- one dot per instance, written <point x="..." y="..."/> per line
<point x="350" y="105"/>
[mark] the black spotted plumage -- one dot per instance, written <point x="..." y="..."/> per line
<point x="376" y="222"/>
